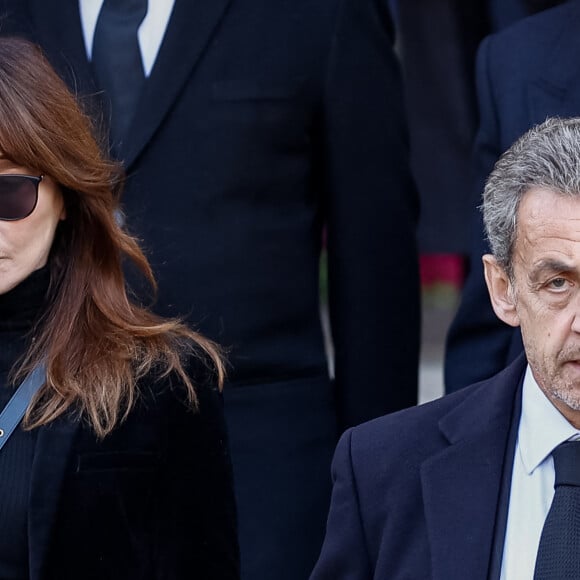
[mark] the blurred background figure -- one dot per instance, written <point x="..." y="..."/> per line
<point x="120" y="469"/>
<point x="526" y="73"/>
<point x="246" y="127"/>
<point x="437" y="43"/>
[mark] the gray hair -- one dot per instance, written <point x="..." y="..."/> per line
<point x="547" y="157"/>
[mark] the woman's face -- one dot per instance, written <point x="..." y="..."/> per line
<point x="25" y="243"/>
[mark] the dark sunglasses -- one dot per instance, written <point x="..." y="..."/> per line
<point x="18" y="196"/>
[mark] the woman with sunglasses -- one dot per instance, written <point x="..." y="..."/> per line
<point x="113" y="462"/>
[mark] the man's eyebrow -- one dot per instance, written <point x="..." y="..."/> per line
<point x="549" y="265"/>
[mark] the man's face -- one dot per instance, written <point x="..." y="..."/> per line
<point x="544" y="296"/>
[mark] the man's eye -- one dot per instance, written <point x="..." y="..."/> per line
<point x="558" y="283"/>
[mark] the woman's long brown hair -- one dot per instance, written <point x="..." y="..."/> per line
<point x="95" y="341"/>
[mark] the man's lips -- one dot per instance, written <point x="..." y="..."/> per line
<point x="572" y="362"/>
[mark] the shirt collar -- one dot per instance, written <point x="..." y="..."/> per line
<point x="542" y="427"/>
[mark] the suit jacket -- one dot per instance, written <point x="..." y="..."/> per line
<point x="416" y="494"/>
<point x="259" y="123"/>
<point x="152" y="500"/>
<point x="525" y="74"/>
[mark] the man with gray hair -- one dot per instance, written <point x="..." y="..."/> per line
<point x="485" y="483"/>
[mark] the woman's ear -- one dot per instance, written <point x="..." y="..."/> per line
<point x="501" y="291"/>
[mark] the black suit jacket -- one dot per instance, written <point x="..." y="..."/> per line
<point x="152" y="500"/>
<point x="525" y="74"/>
<point x="417" y="494"/>
<point x="260" y="122"/>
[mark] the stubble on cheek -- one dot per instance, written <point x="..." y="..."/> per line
<point x="558" y="377"/>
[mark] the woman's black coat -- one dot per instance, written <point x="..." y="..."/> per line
<point x="153" y="500"/>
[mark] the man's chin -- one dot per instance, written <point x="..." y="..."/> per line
<point x="570" y="395"/>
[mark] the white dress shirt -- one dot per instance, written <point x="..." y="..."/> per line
<point x="542" y="428"/>
<point x="151" y="31"/>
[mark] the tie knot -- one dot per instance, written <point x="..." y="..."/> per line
<point x="567" y="463"/>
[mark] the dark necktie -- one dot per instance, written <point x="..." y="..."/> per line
<point x="559" y="551"/>
<point x="117" y="60"/>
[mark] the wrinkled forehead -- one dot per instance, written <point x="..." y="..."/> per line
<point x="542" y="208"/>
<point x="548" y="224"/>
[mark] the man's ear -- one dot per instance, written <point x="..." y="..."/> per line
<point x="500" y="291"/>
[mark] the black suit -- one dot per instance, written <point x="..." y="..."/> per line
<point x="261" y="122"/>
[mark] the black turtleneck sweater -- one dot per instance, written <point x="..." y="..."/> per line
<point x="20" y="308"/>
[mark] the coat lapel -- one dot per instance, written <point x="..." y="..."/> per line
<point x="51" y="457"/>
<point x="557" y="91"/>
<point x="461" y="485"/>
<point x="189" y="31"/>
